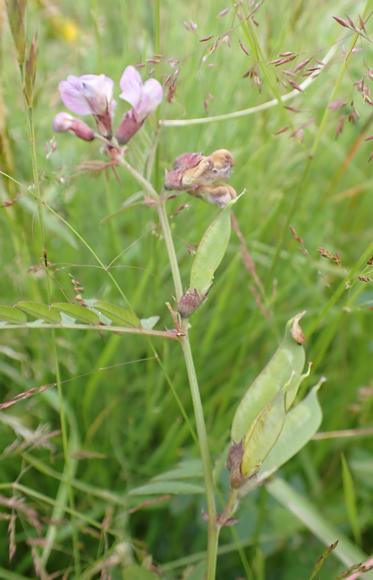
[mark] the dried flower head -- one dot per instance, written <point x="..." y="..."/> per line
<point x="201" y="176"/>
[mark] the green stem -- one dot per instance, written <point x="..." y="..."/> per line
<point x="147" y="186"/>
<point x="212" y="544"/>
<point x="157" y="50"/>
<point x="169" y="334"/>
<point x="229" y="509"/>
<point x="250" y="110"/>
<point x="167" y="235"/>
<point x="213" y="532"/>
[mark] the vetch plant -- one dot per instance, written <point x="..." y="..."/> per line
<point x="269" y="425"/>
<point x="72" y="514"/>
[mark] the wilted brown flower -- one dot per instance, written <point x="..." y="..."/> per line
<point x="201" y="176"/>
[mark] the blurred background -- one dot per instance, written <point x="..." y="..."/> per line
<point x="306" y="218"/>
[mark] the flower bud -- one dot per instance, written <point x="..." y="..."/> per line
<point x="189" y="302"/>
<point x="63" y="122"/>
<point x="128" y="127"/>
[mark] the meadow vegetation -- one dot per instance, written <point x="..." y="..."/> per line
<point x="101" y="473"/>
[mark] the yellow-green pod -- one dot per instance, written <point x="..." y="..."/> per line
<point x="263" y="434"/>
<point x="301" y="424"/>
<point x="284" y="369"/>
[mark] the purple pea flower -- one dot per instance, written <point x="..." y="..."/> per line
<point x="64" y="122"/>
<point x="90" y="95"/>
<point x="144" y="98"/>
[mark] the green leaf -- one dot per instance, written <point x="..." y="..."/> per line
<point x="168" y="487"/>
<point x="301" y="423"/>
<point x="198" y="572"/>
<point x="362" y="468"/>
<point x="149" y="323"/>
<point x="118" y="315"/>
<point x="135" y="572"/>
<point x="210" y="252"/>
<point x="10" y="314"/>
<point x="77" y="312"/>
<point x="263" y="435"/>
<point x="39" y="311"/>
<point x="284" y="369"/>
<point x="191" y="468"/>
<point x="350" y="500"/>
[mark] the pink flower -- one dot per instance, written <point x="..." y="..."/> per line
<point x="90" y="95"/>
<point x="144" y="98"/>
<point x="64" y="122"/>
<point x="93" y="95"/>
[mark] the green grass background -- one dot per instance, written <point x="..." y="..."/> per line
<point x="117" y="391"/>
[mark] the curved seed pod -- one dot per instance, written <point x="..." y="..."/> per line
<point x="210" y="252"/>
<point x="284" y="369"/>
<point x="263" y="434"/>
<point x="301" y="424"/>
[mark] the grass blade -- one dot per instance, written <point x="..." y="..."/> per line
<point x="325" y="531"/>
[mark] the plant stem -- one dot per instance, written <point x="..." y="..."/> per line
<point x="212" y="546"/>
<point x="139" y="178"/>
<point x="167" y="235"/>
<point x="229" y="509"/>
<point x="251" y="110"/>
<point x="169" y="334"/>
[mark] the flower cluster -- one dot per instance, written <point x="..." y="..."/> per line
<point x="203" y="176"/>
<point x="93" y="95"/>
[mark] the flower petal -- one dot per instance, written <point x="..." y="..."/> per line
<point x="62" y="122"/>
<point x="99" y="85"/>
<point x="151" y="97"/>
<point x="73" y="98"/>
<point x="131" y="85"/>
<point x="88" y="94"/>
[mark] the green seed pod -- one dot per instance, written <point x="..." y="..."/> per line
<point x="283" y="370"/>
<point x="263" y="435"/>
<point x="301" y="424"/>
